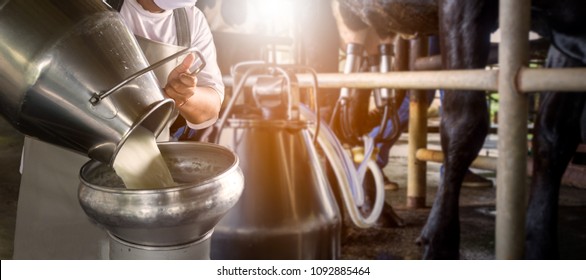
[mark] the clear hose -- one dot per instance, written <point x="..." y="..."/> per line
<point x="350" y="180"/>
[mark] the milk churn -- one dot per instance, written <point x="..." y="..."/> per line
<point x="287" y="209"/>
<point x="72" y="74"/>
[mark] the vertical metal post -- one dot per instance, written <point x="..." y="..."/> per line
<point x="416" y="169"/>
<point x="514" y="17"/>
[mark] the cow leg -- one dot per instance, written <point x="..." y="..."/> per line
<point x="464" y="40"/>
<point x="557" y="135"/>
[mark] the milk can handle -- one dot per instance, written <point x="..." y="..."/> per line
<point x="96" y="97"/>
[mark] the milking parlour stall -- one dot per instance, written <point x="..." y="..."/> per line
<point x="356" y="138"/>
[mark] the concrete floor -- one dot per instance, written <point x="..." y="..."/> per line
<point x="477" y="211"/>
<point x="477" y="216"/>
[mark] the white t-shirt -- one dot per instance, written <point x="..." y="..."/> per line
<point x="160" y="27"/>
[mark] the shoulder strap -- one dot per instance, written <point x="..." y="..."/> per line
<point x="114" y="4"/>
<point x="182" y="27"/>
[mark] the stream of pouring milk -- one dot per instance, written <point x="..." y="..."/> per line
<point x="139" y="162"/>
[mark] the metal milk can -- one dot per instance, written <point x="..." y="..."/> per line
<point x="287" y="209"/>
<point x="72" y="74"/>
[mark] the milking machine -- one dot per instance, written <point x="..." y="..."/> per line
<point x="386" y="99"/>
<point x="340" y="116"/>
<point x="386" y="102"/>
<point x="287" y="209"/>
<point x="73" y="75"/>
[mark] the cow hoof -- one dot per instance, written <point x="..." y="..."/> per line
<point x="436" y="250"/>
<point x="388" y="217"/>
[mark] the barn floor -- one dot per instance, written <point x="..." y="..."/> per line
<point x="477" y="216"/>
<point x="477" y="211"/>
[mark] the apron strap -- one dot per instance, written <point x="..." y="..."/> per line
<point x="182" y="27"/>
<point x="181" y="22"/>
<point x="114" y="4"/>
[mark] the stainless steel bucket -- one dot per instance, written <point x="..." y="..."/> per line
<point x="55" y="56"/>
<point x="209" y="181"/>
<point x="287" y="210"/>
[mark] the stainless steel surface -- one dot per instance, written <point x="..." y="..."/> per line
<point x="386" y="58"/>
<point x="197" y="250"/>
<point x="529" y="80"/>
<point x="210" y="183"/>
<point x="548" y="79"/>
<point x="446" y="79"/>
<point x="98" y="96"/>
<point x="512" y="191"/>
<point x="352" y="65"/>
<point x="292" y="84"/>
<point x="54" y="55"/>
<point x="287" y="210"/>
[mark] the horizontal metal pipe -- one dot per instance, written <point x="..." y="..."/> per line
<point x="481" y="162"/>
<point x="541" y="79"/>
<point x="448" y="79"/>
<point x="528" y="80"/>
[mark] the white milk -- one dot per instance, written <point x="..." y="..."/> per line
<point x="139" y="162"/>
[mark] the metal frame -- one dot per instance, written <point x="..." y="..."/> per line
<point x="511" y="194"/>
<point x="527" y="80"/>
